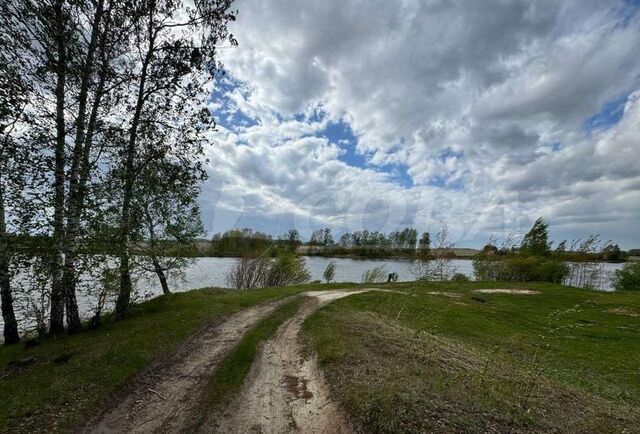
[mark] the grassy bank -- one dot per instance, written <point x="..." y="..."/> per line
<point x="53" y="386"/>
<point x="445" y="358"/>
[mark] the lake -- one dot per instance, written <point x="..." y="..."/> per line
<point x="212" y="272"/>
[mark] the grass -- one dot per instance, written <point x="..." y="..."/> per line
<point x="435" y="357"/>
<point x="71" y="376"/>
<point x="234" y="368"/>
<point x="443" y="358"/>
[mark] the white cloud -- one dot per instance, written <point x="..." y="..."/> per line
<point x="473" y="94"/>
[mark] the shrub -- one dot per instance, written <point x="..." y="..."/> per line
<point x="248" y="273"/>
<point x="459" y="277"/>
<point x="627" y="278"/>
<point x="261" y="272"/>
<point x="519" y="268"/>
<point x="375" y="275"/>
<point x="487" y="266"/>
<point x="287" y="269"/>
<point x="329" y="271"/>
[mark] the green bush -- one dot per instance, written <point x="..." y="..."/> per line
<point x="519" y="268"/>
<point x="459" y="277"/>
<point x="330" y="271"/>
<point x="627" y="278"/>
<point x="487" y="266"/>
<point x="287" y="269"/>
<point x="375" y="275"/>
<point x="262" y="272"/>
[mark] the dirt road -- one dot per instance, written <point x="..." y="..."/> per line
<point x="170" y="396"/>
<point x="284" y="392"/>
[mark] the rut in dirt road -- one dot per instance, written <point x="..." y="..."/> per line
<point x="170" y="396"/>
<point x="284" y="392"/>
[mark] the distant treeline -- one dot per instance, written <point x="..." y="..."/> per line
<point x="574" y="253"/>
<point x="359" y="244"/>
<point x="366" y="244"/>
<point x="247" y="242"/>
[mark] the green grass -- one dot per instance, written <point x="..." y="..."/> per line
<point x="54" y="394"/>
<point x="469" y="362"/>
<point x="232" y="371"/>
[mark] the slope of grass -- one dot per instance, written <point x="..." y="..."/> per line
<point x="70" y="376"/>
<point x="445" y="358"/>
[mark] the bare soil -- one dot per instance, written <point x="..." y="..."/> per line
<point x="508" y="291"/>
<point x="445" y="294"/>
<point x="626" y="311"/>
<point x="171" y="395"/>
<point x="284" y="392"/>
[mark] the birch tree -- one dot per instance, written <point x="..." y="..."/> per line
<point x="176" y="56"/>
<point x="168" y="217"/>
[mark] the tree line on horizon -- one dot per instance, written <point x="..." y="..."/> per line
<point x="238" y="242"/>
<point x="103" y="118"/>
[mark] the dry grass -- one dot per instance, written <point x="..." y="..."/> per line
<point x="623" y="311"/>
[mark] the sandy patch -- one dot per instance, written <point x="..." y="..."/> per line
<point x="508" y="291"/>
<point x="626" y="311"/>
<point x="445" y="294"/>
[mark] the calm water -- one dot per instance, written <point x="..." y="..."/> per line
<point x="212" y="272"/>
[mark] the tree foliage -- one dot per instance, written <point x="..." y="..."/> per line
<point x="96" y="97"/>
<point x="329" y="272"/>
<point x="627" y="278"/>
<point x="536" y="241"/>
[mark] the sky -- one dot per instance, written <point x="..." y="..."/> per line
<point x="379" y="114"/>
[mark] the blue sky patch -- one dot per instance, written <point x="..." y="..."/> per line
<point x="556" y="146"/>
<point x="399" y="174"/>
<point x="609" y="115"/>
<point x="227" y="115"/>
<point x="628" y="11"/>
<point x="341" y="134"/>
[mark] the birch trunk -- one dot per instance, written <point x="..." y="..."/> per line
<point x="57" y="291"/>
<point x="75" y="202"/>
<point x="124" y="296"/>
<point x="11" y="335"/>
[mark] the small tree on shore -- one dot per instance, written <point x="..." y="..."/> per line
<point x="627" y="278"/>
<point x="536" y="241"/>
<point x="167" y="216"/>
<point x="329" y="271"/>
<point x="438" y="265"/>
<point x="375" y="274"/>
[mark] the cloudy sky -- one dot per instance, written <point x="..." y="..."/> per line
<point x="379" y="114"/>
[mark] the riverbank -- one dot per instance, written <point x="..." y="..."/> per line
<point x="212" y="272"/>
<point x="477" y="356"/>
